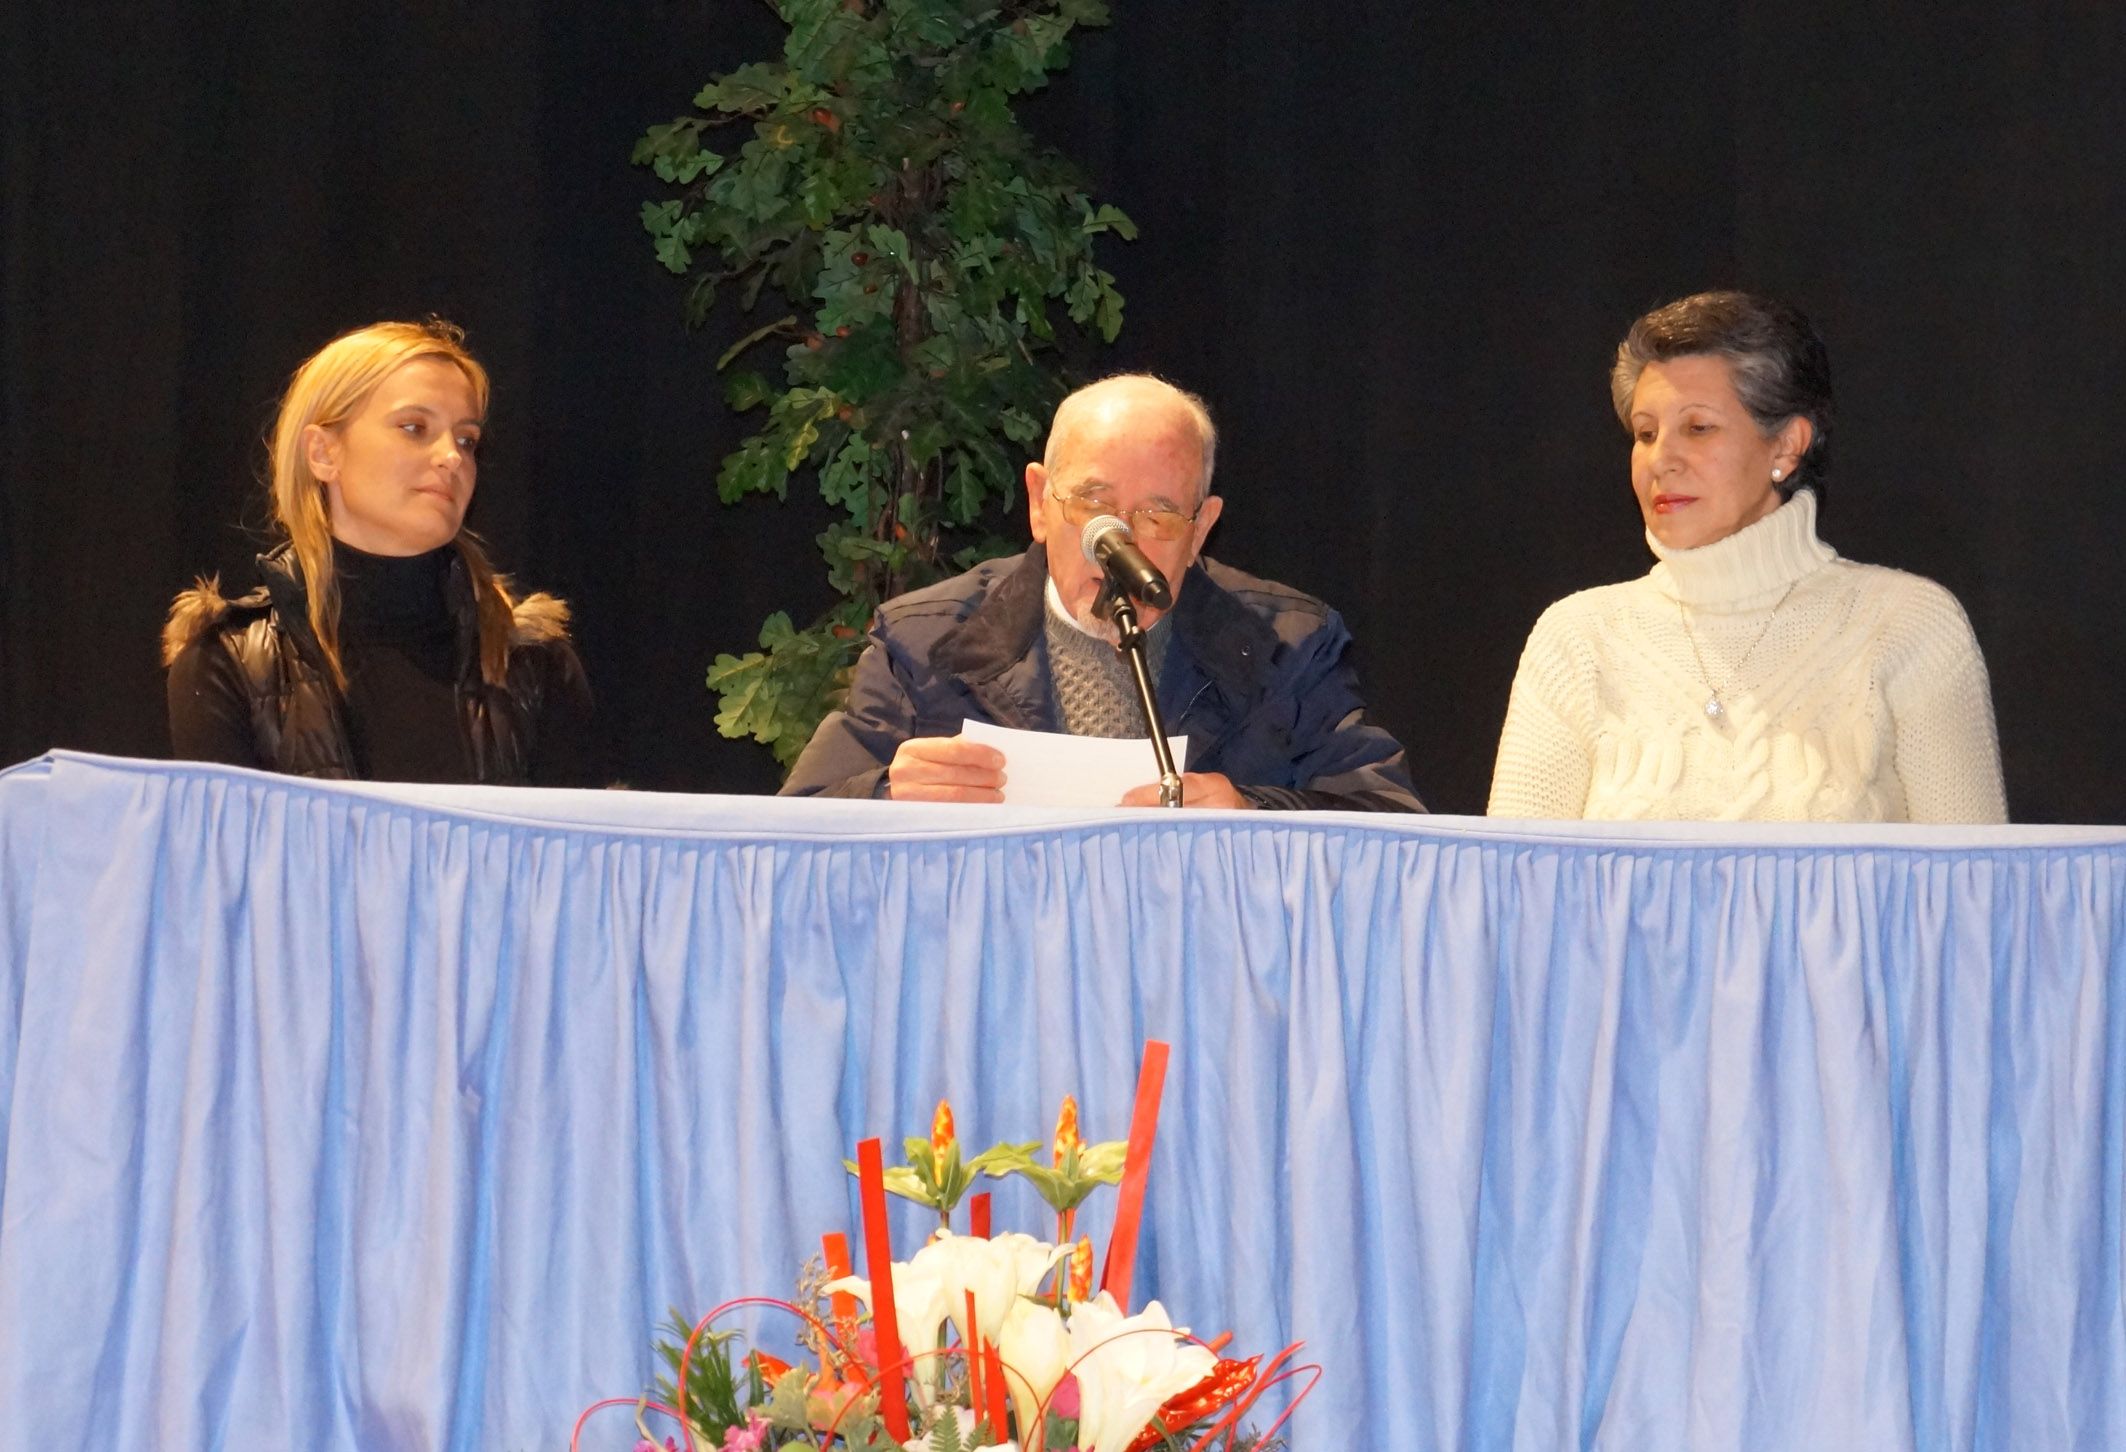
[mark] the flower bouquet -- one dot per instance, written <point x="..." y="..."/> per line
<point x="979" y="1339"/>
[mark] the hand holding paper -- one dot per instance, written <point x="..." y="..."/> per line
<point x="945" y="769"/>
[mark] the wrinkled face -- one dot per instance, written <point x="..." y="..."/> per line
<point x="1700" y="466"/>
<point x="399" y="473"/>
<point x="1122" y="453"/>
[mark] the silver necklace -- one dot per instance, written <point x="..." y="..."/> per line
<point x="1715" y="708"/>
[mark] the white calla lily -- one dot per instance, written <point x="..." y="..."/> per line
<point x="1034" y="1347"/>
<point x="919" y="1307"/>
<point x="1131" y="1366"/>
<point x="999" y="1271"/>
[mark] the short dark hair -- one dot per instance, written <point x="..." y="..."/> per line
<point x="1781" y="368"/>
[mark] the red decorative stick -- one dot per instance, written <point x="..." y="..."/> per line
<point x="1136" y="1167"/>
<point x="978" y="1215"/>
<point x="971" y="1351"/>
<point x="878" y="1264"/>
<point x="993" y="1381"/>
<point x="835" y="1246"/>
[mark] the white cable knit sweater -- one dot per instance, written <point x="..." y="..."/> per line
<point x="1863" y="700"/>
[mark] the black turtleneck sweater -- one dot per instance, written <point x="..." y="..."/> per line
<point x="402" y="657"/>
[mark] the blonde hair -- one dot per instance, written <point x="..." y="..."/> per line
<point x="329" y="389"/>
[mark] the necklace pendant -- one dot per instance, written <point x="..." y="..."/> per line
<point x="1713" y="709"/>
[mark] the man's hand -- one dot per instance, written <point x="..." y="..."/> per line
<point x="1198" y="789"/>
<point x="948" y="769"/>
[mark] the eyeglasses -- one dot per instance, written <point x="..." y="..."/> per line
<point x="1159" y="524"/>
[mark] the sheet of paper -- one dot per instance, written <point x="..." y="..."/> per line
<point x="1050" y="769"/>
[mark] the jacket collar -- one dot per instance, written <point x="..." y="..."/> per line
<point x="283" y="579"/>
<point x="1231" y="643"/>
<point x="1219" y="636"/>
<point x="1003" y="628"/>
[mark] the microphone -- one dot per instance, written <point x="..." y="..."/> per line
<point x="1106" y="542"/>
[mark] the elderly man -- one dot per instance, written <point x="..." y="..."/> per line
<point x="1255" y="674"/>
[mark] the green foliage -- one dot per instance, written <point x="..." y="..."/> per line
<point x="1063" y="1186"/>
<point x="927" y="253"/>
<point x="944" y="1434"/>
<point x="717" y="1394"/>
<point x="929" y="1178"/>
<point x="789" y="1411"/>
<point x="786" y="1408"/>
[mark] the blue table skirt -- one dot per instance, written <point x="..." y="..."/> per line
<point x="350" y="1116"/>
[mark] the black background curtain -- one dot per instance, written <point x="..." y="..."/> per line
<point x="1393" y="245"/>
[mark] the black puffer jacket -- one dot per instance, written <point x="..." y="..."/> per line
<point x="297" y="714"/>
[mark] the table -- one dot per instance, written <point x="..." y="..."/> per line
<point x="343" y="1115"/>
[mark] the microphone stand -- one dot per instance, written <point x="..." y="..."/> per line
<point x="1117" y="606"/>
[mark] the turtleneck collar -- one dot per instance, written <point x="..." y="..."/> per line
<point x="1751" y="567"/>
<point x="393" y="593"/>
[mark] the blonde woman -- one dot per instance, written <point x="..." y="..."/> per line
<point x="380" y="644"/>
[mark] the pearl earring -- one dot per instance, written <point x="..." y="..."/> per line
<point x="1777" y="475"/>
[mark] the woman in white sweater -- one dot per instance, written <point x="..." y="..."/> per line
<point x="1752" y="674"/>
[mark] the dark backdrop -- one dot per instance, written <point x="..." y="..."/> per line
<point x="1394" y="245"/>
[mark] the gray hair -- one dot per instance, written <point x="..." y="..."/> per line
<point x="1780" y="367"/>
<point x="1193" y="408"/>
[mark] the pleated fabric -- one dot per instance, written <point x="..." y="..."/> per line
<point x="357" y="1116"/>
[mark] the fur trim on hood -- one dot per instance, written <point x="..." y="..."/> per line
<point x="537" y="619"/>
<point x="198" y="612"/>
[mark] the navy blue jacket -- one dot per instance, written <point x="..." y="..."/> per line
<point x="1257" y="676"/>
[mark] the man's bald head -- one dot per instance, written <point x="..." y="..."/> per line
<point x="1133" y="404"/>
<point x="1135" y="447"/>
